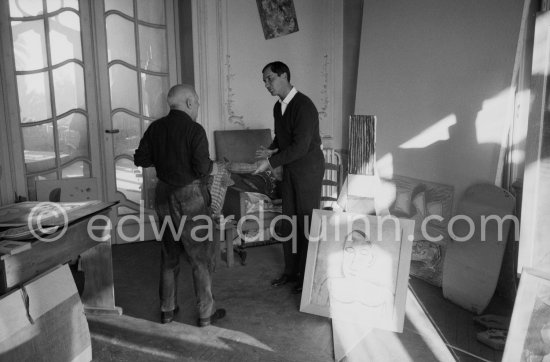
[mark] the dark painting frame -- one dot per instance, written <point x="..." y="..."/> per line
<point x="278" y="17"/>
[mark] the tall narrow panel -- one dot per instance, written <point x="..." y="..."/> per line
<point x="76" y="169"/>
<point x="34" y="97"/>
<point x="54" y="5"/>
<point x="39" y="147"/>
<point x="128" y="180"/>
<point x="125" y="6"/>
<point x="154" y="95"/>
<point x="73" y="137"/>
<point x="127" y="140"/>
<point x="121" y="44"/>
<point x="153" y="51"/>
<point x="65" y="37"/>
<point x="68" y="82"/>
<point x="124" y="88"/>
<point x="151" y="11"/>
<point x="29" y="45"/>
<point x="20" y="8"/>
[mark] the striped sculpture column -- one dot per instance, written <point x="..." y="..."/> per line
<point x="362" y="140"/>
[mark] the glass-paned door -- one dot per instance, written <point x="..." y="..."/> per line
<point x="83" y="80"/>
<point x="140" y="67"/>
<point x="55" y="114"/>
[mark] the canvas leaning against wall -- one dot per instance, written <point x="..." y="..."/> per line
<point x="357" y="268"/>
<point x="529" y="333"/>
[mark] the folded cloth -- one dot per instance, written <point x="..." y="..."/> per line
<point x="263" y="183"/>
<point x="244" y="167"/>
<point x="494" y="338"/>
<point x="492" y="321"/>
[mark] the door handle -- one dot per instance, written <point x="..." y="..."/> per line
<point x="112" y="131"/>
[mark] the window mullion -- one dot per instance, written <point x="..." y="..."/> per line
<point x="138" y="67"/>
<point x="52" y="92"/>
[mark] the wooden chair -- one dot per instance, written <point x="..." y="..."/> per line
<point x="241" y="146"/>
<point x="332" y="180"/>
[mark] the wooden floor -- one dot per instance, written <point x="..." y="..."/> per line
<point x="262" y="324"/>
<point x="456" y="324"/>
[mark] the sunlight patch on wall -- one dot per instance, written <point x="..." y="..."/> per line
<point x="517" y="157"/>
<point x="385" y="196"/>
<point x="494" y="117"/>
<point x="384" y="166"/>
<point x="435" y="133"/>
<point x="523" y="102"/>
<point x="540" y="57"/>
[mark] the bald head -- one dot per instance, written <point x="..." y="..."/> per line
<point x="184" y="98"/>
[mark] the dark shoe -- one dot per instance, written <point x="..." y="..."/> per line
<point x="167" y="317"/>
<point x="297" y="288"/>
<point x="218" y="314"/>
<point x="285" y="278"/>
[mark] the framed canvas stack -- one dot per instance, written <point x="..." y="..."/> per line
<point x="529" y="333"/>
<point x="357" y="268"/>
<point x="357" y="274"/>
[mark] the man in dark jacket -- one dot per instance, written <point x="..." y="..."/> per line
<point x="176" y="145"/>
<point x="296" y="147"/>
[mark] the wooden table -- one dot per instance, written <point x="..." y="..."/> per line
<point x="96" y="262"/>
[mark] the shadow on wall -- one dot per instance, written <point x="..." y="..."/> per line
<point x="458" y="149"/>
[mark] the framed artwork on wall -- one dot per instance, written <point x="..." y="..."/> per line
<point x="357" y="268"/>
<point x="529" y="333"/>
<point x="278" y="17"/>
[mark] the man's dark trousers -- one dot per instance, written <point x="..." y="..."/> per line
<point x="301" y="193"/>
<point x="182" y="204"/>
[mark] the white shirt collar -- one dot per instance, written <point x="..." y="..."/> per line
<point x="288" y="98"/>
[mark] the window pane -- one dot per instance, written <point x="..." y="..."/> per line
<point x="124" y="93"/>
<point x="65" y="37"/>
<point x="127" y="140"/>
<point x="73" y="137"/>
<point x="121" y="44"/>
<point x="151" y="11"/>
<point x="127" y="180"/>
<point x="20" y="8"/>
<point x="155" y="89"/>
<point x="34" y="97"/>
<point x="53" y="5"/>
<point x="125" y="6"/>
<point x="68" y="82"/>
<point x="39" y="147"/>
<point x="152" y="49"/>
<point x="29" y="44"/>
<point x="77" y="169"/>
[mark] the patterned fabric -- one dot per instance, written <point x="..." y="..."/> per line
<point x="218" y="183"/>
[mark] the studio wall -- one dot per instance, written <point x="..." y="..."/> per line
<point x="232" y="51"/>
<point x="437" y="75"/>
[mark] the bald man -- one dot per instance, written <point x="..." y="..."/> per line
<point x="176" y="145"/>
